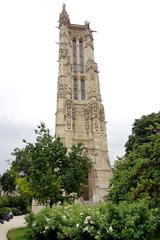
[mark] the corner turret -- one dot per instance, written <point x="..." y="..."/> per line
<point x="64" y="17"/>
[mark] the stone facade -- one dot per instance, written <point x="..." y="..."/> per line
<point x="80" y="113"/>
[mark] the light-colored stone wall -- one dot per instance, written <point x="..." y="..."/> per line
<point x="77" y="120"/>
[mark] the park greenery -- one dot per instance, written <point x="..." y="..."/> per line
<point x="91" y="222"/>
<point x="50" y="173"/>
<point x="17" y="234"/>
<point x="46" y="170"/>
<point x="137" y="174"/>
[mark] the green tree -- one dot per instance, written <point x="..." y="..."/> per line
<point x="75" y="172"/>
<point x="7" y="182"/>
<point x="137" y="174"/>
<point x="142" y="129"/>
<point x="48" y="170"/>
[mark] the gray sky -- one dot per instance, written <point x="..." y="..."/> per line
<point x="127" y="50"/>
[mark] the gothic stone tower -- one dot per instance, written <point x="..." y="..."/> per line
<point x="80" y="112"/>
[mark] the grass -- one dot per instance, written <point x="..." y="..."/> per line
<point x="21" y="234"/>
<point x="17" y="234"/>
<point x="156" y="237"/>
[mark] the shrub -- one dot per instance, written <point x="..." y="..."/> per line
<point x="102" y="221"/>
<point x="5" y="210"/>
<point x="4" y="201"/>
<point x="6" y="214"/>
<point x="19" y="202"/>
<point x="16" y="212"/>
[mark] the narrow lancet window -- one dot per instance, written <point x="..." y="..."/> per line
<point x="74" y="54"/>
<point x="82" y="89"/>
<point x="75" y="89"/>
<point x="81" y="56"/>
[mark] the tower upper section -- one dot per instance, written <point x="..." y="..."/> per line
<point x="76" y="58"/>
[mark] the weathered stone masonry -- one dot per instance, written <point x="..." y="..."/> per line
<point x="80" y="113"/>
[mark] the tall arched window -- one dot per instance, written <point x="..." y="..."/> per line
<point x="81" y="56"/>
<point x="75" y="89"/>
<point x="82" y="89"/>
<point x="74" y="54"/>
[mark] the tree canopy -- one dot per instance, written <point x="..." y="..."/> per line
<point x="137" y="174"/>
<point x="47" y="170"/>
<point x="7" y="181"/>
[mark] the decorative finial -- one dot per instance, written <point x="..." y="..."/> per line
<point x="87" y="23"/>
<point x="64" y="6"/>
<point x="64" y="18"/>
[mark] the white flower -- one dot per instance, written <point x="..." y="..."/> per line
<point x="73" y="194"/>
<point x="97" y="237"/>
<point x="64" y="217"/>
<point x="77" y="225"/>
<point x="91" y="222"/>
<point x="85" y="229"/>
<point x="46" y="228"/>
<point x="63" y="193"/>
<point x="56" y="169"/>
<point x="87" y="220"/>
<point x="58" y="203"/>
<point x="110" y="229"/>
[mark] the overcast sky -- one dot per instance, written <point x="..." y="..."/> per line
<point x="127" y="50"/>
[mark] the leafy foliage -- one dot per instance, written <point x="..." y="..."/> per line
<point x="17" y="203"/>
<point x="7" y="182"/>
<point x="17" y="234"/>
<point x="137" y="174"/>
<point x="142" y="129"/>
<point x="105" y="221"/>
<point x="47" y="171"/>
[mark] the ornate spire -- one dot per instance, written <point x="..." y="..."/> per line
<point x="64" y="17"/>
<point x="64" y="7"/>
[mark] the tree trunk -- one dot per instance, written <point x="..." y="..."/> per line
<point x="51" y="203"/>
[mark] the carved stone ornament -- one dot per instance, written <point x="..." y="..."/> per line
<point x="69" y="92"/>
<point x="94" y="110"/>
<point x="92" y="127"/>
<point x="87" y="112"/>
<point x="90" y="152"/>
<point x="63" y="51"/>
<point x="63" y="34"/>
<point x="87" y="126"/>
<point x="95" y="67"/>
<point x="68" y="108"/>
<point x="61" y="90"/>
<point x="96" y="125"/>
<point x="69" y="123"/>
<point x="91" y="65"/>
<point x="94" y="117"/>
<point x="92" y="94"/>
<point x="64" y="18"/>
<point x="79" y="35"/>
<point x="101" y="115"/>
<point x="68" y="113"/>
<point x="74" y="112"/>
<point x="80" y="109"/>
<point x="102" y="127"/>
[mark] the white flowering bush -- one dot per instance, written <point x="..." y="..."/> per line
<point x="90" y="222"/>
